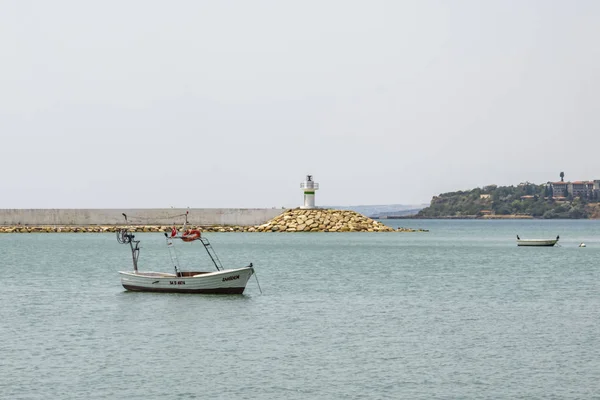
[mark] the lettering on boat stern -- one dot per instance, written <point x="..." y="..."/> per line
<point x="231" y="278"/>
<point x="176" y="282"/>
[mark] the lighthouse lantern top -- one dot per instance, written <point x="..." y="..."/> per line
<point x="309" y="183"/>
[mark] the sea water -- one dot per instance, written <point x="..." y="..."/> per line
<point x="456" y="312"/>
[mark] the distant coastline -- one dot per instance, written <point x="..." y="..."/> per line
<point x="524" y="201"/>
<point x="487" y="217"/>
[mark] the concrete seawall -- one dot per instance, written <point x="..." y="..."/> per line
<point x="141" y="216"/>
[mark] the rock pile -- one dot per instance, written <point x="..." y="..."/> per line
<point x="293" y="220"/>
<point x="81" y="229"/>
<point x="325" y="220"/>
<point x="322" y="220"/>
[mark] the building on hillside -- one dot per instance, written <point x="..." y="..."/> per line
<point x="575" y="188"/>
<point x="559" y="189"/>
<point x="581" y="188"/>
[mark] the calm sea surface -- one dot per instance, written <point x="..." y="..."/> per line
<point x="458" y="312"/>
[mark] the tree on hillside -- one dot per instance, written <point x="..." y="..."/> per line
<point x="489" y="188"/>
<point x="506" y="200"/>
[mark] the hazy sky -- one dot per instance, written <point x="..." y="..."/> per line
<point x="112" y="104"/>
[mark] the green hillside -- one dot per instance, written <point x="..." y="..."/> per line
<point x="524" y="200"/>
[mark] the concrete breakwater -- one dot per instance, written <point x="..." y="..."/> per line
<point x="138" y="216"/>
<point x="294" y="220"/>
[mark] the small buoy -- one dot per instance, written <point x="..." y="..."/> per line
<point x="582" y="244"/>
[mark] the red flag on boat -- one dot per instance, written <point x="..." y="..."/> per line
<point x="173" y="232"/>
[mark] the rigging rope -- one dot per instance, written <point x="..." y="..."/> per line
<point x="123" y="237"/>
<point x="168" y="217"/>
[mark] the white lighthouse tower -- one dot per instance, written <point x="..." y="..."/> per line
<point x="308" y="187"/>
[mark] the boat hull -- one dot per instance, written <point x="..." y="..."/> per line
<point x="537" y="242"/>
<point x="231" y="281"/>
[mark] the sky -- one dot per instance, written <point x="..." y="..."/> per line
<point x="201" y="104"/>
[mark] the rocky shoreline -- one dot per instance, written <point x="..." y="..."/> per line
<point x="509" y="216"/>
<point x="293" y="220"/>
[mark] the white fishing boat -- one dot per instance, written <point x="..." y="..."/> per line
<point x="221" y="281"/>
<point x="537" y="242"/>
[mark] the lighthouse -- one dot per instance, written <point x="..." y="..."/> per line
<point x="308" y="187"/>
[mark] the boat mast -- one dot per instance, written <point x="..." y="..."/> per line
<point x="124" y="237"/>
<point x="186" y="221"/>
<point x="207" y="246"/>
<point x="172" y="253"/>
<point x="135" y="251"/>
